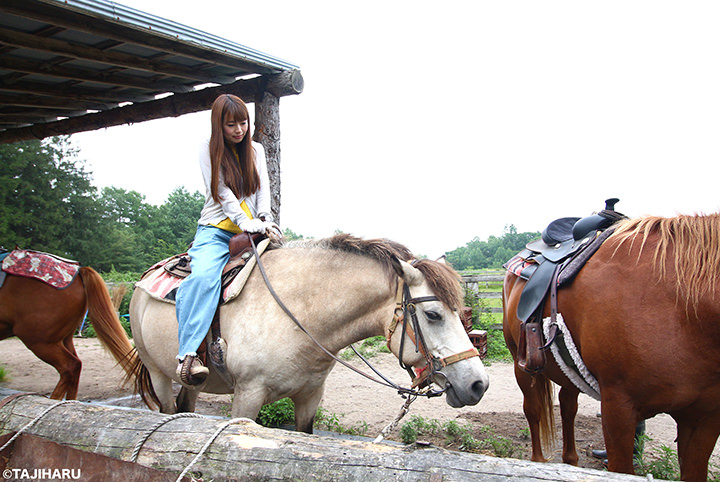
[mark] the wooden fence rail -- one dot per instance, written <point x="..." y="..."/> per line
<point x="473" y="282"/>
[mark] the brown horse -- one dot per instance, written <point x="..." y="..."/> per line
<point x="45" y="319"/>
<point x="644" y="314"/>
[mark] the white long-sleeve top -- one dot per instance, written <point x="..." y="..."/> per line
<point x="229" y="207"/>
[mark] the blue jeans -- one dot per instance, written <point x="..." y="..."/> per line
<point x="198" y="295"/>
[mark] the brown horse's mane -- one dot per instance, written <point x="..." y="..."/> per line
<point x="695" y="243"/>
<point x="443" y="280"/>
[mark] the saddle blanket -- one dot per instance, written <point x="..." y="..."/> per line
<point x="162" y="286"/>
<point x="52" y="270"/>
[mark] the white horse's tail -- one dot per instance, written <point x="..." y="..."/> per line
<point x="140" y="376"/>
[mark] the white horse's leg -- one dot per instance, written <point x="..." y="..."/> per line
<point x="163" y="389"/>
<point x="247" y="401"/>
<point x="185" y="401"/>
<point x="306" y="405"/>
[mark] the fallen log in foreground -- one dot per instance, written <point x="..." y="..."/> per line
<point x="241" y="450"/>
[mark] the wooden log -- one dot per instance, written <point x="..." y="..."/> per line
<point x="267" y="133"/>
<point x="251" y="90"/>
<point x="243" y="450"/>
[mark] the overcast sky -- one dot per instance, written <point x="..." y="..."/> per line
<point x="432" y="123"/>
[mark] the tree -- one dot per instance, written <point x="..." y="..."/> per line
<point x="176" y="223"/>
<point x="46" y="199"/>
<point x="492" y="253"/>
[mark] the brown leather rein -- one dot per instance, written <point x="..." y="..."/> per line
<point x="405" y="305"/>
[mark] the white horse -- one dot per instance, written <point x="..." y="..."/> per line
<point x="342" y="290"/>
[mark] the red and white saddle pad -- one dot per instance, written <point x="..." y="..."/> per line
<point x="50" y="269"/>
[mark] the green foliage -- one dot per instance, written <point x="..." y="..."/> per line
<point x="458" y="436"/>
<point x="417" y="425"/>
<point x="277" y="413"/>
<point x="282" y="412"/>
<point x="47" y="203"/>
<point x="368" y="348"/>
<point x="290" y="235"/>
<point x="46" y="199"/>
<point x="491" y="253"/>
<point x="484" y="319"/>
<point x="664" y="465"/>
<point x="3" y="373"/>
<point x="330" y="422"/>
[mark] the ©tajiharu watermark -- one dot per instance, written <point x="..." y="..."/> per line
<point x="41" y="474"/>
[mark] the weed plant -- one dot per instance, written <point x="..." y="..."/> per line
<point x="282" y="412"/>
<point x="664" y="465"/>
<point x="460" y="436"/>
<point x="277" y="414"/>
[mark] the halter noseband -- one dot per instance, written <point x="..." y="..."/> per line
<point x="405" y="305"/>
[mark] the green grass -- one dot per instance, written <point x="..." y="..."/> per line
<point x="3" y="374"/>
<point x="459" y="436"/>
<point x="282" y="412"/>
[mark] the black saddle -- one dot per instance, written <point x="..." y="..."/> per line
<point x="549" y="263"/>
<point x="563" y="241"/>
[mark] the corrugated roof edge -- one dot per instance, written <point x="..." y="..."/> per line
<point x="136" y="18"/>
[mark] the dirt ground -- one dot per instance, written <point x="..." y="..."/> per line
<point x="352" y="398"/>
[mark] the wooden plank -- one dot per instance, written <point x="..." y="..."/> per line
<point x="244" y="450"/>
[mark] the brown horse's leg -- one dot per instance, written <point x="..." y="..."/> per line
<point x="533" y="397"/>
<point x="618" y="423"/>
<point x="696" y="442"/>
<point x="67" y="364"/>
<point x="568" y="410"/>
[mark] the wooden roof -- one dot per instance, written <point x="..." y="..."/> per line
<point x="75" y="65"/>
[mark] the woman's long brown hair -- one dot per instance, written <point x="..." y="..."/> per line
<point x="242" y="178"/>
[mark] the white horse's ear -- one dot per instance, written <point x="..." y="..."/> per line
<point x="442" y="260"/>
<point x="411" y="275"/>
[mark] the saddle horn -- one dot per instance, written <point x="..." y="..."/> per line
<point x="610" y="203"/>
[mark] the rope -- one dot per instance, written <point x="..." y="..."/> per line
<point x="34" y="421"/>
<point x="391" y="426"/>
<point x="151" y="430"/>
<point x="208" y="443"/>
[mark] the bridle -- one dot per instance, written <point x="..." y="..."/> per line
<point x="405" y="304"/>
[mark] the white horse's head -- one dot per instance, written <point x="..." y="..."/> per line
<point x="431" y="337"/>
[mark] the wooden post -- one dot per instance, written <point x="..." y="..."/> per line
<point x="267" y="133"/>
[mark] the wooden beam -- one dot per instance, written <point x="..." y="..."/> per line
<point x="286" y="83"/>
<point x="77" y="51"/>
<point x="64" y="16"/>
<point x="242" y="450"/>
<point x="48" y="102"/>
<point x="110" y="76"/>
<point x="69" y="89"/>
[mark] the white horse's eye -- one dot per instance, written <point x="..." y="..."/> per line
<point x="433" y="316"/>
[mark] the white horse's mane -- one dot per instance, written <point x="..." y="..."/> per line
<point x="444" y="280"/>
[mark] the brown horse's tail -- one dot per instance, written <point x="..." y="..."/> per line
<point x="113" y="337"/>
<point x="547" y="417"/>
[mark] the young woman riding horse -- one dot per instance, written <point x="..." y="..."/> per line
<point x="237" y="199"/>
